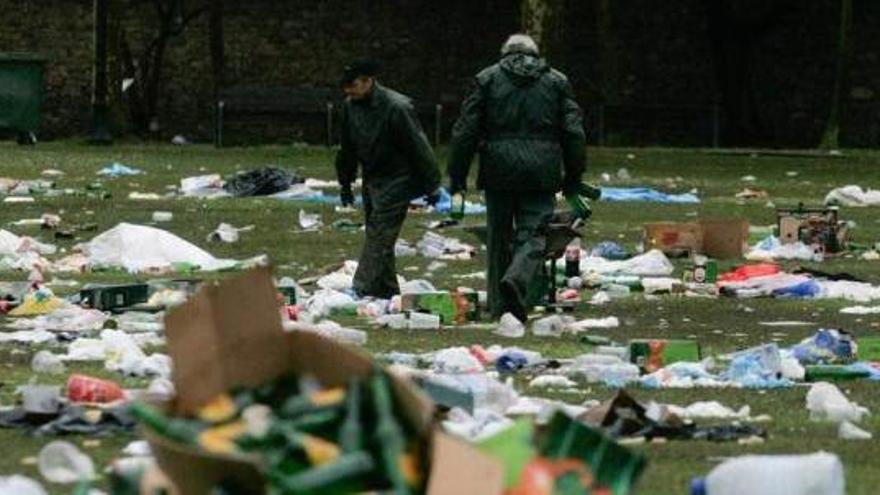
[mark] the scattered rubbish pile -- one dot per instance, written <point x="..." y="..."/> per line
<point x="312" y="412"/>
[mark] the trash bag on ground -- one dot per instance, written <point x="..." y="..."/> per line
<point x="138" y="248"/>
<point x="260" y="182"/>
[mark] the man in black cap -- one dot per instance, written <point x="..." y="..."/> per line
<point x="380" y="131"/>
<point x="522" y="116"/>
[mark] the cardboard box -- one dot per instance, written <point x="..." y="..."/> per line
<point x="674" y="238"/>
<point x="229" y="334"/>
<point x="725" y="239"/>
<point x="720" y="239"/>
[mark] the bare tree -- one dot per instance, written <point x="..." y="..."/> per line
<point x="831" y="136"/>
<point x="144" y="67"/>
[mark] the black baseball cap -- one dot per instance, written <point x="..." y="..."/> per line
<point x="357" y="68"/>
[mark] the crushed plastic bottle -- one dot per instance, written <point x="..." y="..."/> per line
<point x="456" y="360"/>
<point x="608" y="369"/>
<point x="63" y="462"/>
<point x="46" y="362"/>
<point x="813" y="474"/>
<point x="337" y="332"/>
<point x="849" y="431"/>
<point x="551" y="326"/>
<point x="826" y="402"/>
<point x="509" y="326"/>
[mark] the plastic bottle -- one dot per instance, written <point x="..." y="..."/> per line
<point x="337" y="332"/>
<point x="423" y="321"/>
<point x="813" y="474"/>
<point x="616" y="291"/>
<point x="550" y="326"/>
<point x="457" y="210"/>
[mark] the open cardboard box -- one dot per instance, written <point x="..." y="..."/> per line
<point x="229" y="334"/>
<point x="720" y="239"/>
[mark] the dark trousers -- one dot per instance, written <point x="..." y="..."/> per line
<point x="385" y="210"/>
<point x="515" y="245"/>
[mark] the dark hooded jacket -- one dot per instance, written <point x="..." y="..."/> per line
<point x="382" y="133"/>
<point x="522" y="117"/>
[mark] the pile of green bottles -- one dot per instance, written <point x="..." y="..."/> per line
<point x="310" y="439"/>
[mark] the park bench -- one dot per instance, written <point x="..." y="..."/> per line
<point x="302" y="103"/>
<point x="306" y="103"/>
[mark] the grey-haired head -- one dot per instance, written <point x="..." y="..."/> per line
<point x="519" y="43"/>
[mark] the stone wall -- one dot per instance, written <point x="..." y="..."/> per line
<point x="651" y="66"/>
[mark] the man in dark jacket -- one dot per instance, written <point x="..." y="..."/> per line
<point x="380" y="131"/>
<point x="522" y="116"/>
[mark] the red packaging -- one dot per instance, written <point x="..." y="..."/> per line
<point x="82" y="388"/>
<point x="482" y="356"/>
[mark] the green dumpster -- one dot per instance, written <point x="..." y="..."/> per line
<point x="21" y="94"/>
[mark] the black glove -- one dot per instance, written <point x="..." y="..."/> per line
<point x="345" y="195"/>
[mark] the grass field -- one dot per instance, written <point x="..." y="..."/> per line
<point x="720" y="325"/>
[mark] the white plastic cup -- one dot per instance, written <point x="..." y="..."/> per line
<point x="62" y="462"/>
<point x="162" y="216"/>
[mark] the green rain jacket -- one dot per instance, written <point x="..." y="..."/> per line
<point x="382" y="133"/>
<point x="523" y="118"/>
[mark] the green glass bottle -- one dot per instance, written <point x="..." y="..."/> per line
<point x="456" y="212"/>
<point x="351" y="431"/>
<point x="824" y="372"/>
<point x="312" y="402"/>
<point x="389" y="435"/>
<point x="336" y="477"/>
<point x="180" y="430"/>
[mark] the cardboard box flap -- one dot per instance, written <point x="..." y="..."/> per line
<point x="226" y="335"/>
<point x="229" y="334"/>
<point x="460" y="469"/>
<point x="195" y="472"/>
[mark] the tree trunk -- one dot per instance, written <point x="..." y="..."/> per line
<point x="542" y="20"/>
<point x="734" y="28"/>
<point x="831" y="136"/>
